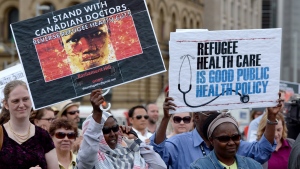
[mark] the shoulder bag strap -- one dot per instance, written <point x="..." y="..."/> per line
<point x="1" y="137"/>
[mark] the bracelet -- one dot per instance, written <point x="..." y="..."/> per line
<point x="272" y="123"/>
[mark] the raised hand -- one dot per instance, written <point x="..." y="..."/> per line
<point x="168" y="105"/>
<point x="96" y="99"/>
<point x="273" y="111"/>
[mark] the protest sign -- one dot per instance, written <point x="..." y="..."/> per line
<point x="98" y="44"/>
<point x="13" y="73"/>
<point x="215" y="70"/>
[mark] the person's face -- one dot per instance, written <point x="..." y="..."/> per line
<point x="46" y="120"/>
<point x="278" y="131"/>
<point x="64" y="139"/>
<point x="257" y="114"/>
<point x="139" y="119"/>
<point x="110" y="132"/>
<point x="88" y="48"/>
<point x="18" y="102"/>
<point x="72" y="113"/>
<point x="181" y="122"/>
<point x="225" y="148"/>
<point x="153" y="113"/>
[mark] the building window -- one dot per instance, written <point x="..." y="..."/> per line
<point x="191" y="23"/>
<point x="184" y="23"/>
<point x="161" y="24"/>
<point x="52" y="8"/>
<point x="149" y="10"/>
<point x="198" y="25"/>
<point x="74" y="3"/>
<point x="13" y="16"/>
<point x="173" y="28"/>
<point x="225" y="8"/>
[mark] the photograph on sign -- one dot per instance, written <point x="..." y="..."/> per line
<point x="215" y="70"/>
<point x="88" y="45"/>
<point x="97" y="44"/>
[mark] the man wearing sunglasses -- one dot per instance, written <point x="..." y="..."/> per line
<point x="138" y="118"/>
<point x="181" y="150"/>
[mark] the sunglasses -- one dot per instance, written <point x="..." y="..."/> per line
<point x="140" y="117"/>
<point x="50" y="120"/>
<point x="226" y="139"/>
<point x="186" y="119"/>
<point x="107" y="130"/>
<point x="62" y="135"/>
<point x="73" y="112"/>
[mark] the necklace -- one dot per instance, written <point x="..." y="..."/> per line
<point x="20" y="138"/>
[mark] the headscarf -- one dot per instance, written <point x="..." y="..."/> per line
<point x="224" y="117"/>
<point x="121" y="157"/>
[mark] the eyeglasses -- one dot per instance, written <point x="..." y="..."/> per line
<point x="73" y="112"/>
<point x="50" y="120"/>
<point x="107" y="130"/>
<point x="61" y="135"/>
<point x="140" y="117"/>
<point x="186" y="119"/>
<point x="226" y="139"/>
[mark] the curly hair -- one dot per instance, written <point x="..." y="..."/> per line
<point x="263" y="122"/>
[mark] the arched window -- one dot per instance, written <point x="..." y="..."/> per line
<point x="184" y="26"/>
<point x="51" y="8"/>
<point x="191" y="23"/>
<point x="13" y="16"/>
<point x="149" y="9"/>
<point x="161" y="24"/>
<point x="74" y="3"/>
<point x="173" y="27"/>
<point x="198" y="25"/>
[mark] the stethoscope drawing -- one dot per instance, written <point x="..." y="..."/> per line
<point x="243" y="98"/>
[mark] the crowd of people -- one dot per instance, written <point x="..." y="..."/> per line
<point x="50" y="138"/>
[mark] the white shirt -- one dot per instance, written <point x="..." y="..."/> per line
<point x="252" y="131"/>
<point x="143" y="137"/>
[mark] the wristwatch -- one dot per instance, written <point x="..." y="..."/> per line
<point x="271" y="122"/>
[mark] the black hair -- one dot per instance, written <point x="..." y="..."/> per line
<point x="131" y="111"/>
<point x="207" y="122"/>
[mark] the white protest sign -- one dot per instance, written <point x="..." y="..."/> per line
<point x="215" y="70"/>
<point x="13" y="73"/>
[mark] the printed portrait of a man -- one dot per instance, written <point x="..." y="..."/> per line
<point x="88" y="48"/>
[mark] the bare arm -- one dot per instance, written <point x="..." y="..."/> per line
<point x="161" y="132"/>
<point x="51" y="159"/>
<point x="272" y="112"/>
<point x="96" y="100"/>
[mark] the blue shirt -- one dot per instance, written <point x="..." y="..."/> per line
<point x="181" y="150"/>
<point x="211" y="161"/>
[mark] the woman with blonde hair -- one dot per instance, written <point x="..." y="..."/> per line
<point x="280" y="157"/>
<point x="24" y="145"/>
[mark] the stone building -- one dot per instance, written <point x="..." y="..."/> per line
<point x="166" y="15"/>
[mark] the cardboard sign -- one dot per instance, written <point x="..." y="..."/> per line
<point x="215" y="70"/>
<point x="13" y="73"/>
<point x="98" y="44"/>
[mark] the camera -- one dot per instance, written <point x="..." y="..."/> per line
<point x="292" y="117"/>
